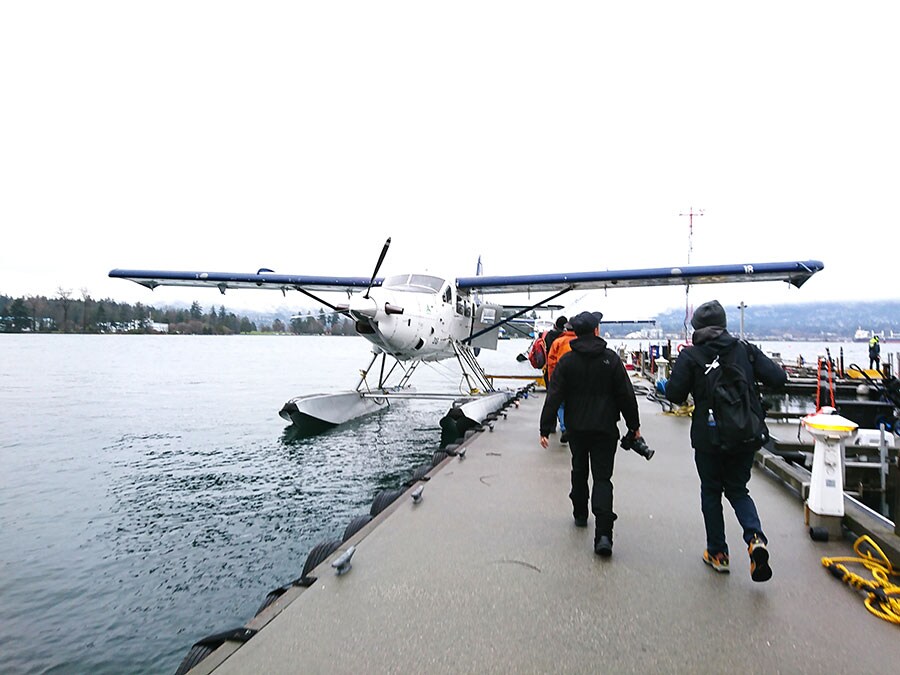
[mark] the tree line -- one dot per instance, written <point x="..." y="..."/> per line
<point x="66" y="313"/>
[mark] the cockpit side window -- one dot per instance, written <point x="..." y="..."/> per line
<point x="448" y="296"/>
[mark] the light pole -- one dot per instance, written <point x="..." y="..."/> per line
<point x="742" y="307"/>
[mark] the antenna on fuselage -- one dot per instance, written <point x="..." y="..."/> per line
<point x="384" y="251"/>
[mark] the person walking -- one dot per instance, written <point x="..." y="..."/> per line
<point x="561" y="345"/>
<point x="875" y="353"/>
<point x="592" y="382"/>
<point x="555" y="332"/>
<point x="724" y="469"/>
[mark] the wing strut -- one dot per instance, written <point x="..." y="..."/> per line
<point x="334" y="308"/>
<point x="469" y="339"/>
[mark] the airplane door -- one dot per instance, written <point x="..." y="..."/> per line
<point x="485" y="316"/>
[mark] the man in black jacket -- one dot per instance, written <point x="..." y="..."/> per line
<point x="592" y="382"/>
<point x="721" y="470"/>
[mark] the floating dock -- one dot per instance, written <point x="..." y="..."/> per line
<point x="485" y="572"/>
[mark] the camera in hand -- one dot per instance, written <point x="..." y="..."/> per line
<point x="639" y="445"/>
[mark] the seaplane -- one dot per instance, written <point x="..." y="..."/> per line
<point x="416" y="318"/>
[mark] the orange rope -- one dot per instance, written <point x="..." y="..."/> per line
<point x="831" y="382"/>
<point x="819" y="383"/>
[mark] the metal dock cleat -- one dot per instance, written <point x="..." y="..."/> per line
<point x="342" y="564"/>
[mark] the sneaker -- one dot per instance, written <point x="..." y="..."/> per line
<point x="603" y="546"/>
<point x="580" y="522"/>
<point x="759" y="560"/>
<point x="564" y="437"/>
<point x="719" y="561"/>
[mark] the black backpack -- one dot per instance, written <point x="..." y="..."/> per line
<point x="734" y="422"/>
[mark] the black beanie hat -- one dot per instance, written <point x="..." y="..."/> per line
<point x="585" y="322"/>
<point x="709" y="314"/>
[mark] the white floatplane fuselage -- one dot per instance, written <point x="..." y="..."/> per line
<point x="413" y="318"/>
<point x="419" y="316"/>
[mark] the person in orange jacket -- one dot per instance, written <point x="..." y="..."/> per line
<point x="558" y="349"/>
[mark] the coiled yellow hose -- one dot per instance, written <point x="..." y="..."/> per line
<point x="681" y="411"/>
<point x="883" y="596"/>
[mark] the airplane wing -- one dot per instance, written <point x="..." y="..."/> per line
<point x="226" y="280"/>
<point x="795" y="273"/>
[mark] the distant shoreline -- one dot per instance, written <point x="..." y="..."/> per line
<point x="673" y="339"/>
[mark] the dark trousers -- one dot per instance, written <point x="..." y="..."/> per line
<point x="727" y="474"/>
<point x="593" y="453"/>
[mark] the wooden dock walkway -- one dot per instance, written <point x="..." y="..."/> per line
<point x="487" y="574"/>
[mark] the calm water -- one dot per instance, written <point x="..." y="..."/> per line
<point x="150" y="497"/>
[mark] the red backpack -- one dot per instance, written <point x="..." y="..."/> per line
<point x="537" y="355"/>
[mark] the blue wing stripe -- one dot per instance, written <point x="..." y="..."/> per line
<point x="226" y="280"/>
<point x="796" y="273"/>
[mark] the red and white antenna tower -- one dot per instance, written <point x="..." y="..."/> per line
<point x="687" y="288"/>
<point x="690" y="214"/>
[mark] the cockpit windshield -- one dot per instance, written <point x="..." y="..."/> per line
<point x="413" y="282"/>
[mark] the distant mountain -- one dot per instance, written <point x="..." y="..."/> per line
<point x="804" y="321"/>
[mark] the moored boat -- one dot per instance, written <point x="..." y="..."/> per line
<point x="863" y="335"/>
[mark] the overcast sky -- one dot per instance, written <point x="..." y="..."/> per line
<point x="544" y="137"/>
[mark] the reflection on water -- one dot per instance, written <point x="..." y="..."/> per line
<point x="306" y="428"/>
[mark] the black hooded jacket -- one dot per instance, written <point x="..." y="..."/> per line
<point x="593" y="383"/>
<point x="688" y="377"/>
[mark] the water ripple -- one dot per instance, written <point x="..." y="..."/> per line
<point x="140" y="529"/>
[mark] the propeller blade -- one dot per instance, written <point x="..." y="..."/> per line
<point x="378" y="266"/>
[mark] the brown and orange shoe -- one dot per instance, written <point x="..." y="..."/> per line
<point x="759" y="560"/>
<point x="718" y="561"/>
